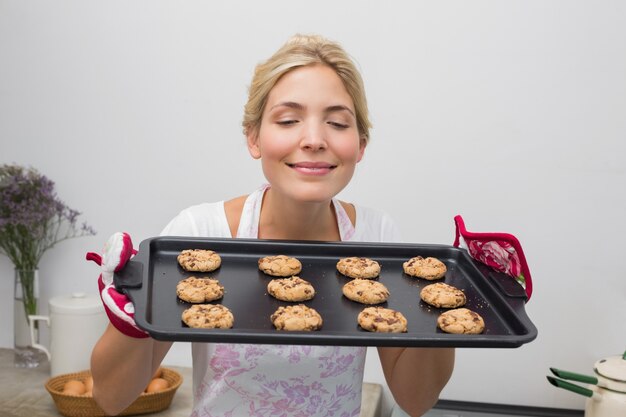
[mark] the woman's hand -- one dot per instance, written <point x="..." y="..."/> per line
<point x="120" y="310"/>
<point x="125" y="358"/>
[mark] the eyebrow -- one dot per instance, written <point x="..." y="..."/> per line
<point x="339" y="107"/>
<point x="298" y="106"/>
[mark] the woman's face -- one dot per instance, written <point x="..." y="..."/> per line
<point x="308" y="141"/>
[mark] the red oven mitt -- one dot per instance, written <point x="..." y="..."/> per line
<point x="500" y="251"/>
<point x="120" y="310"/>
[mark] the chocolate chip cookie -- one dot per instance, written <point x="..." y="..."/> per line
<point x="443" y="295"/>
<point x="461" y="321"/>
<point x="208" y="316"/>
<point x="199" y="290"/>
<point x="199" y="260"/>
<point x="358" y="267"/>
<point x="383" y="320"/>
<point x="428" y="268"/>
<point x="296" y="317"/>
<point x="291" y="289"/>
<point x="280" y="265"/>
<point x="366" y="291"/>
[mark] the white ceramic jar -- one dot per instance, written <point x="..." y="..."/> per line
<point x="76" y="323"/>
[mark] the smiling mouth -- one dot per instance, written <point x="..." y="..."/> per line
<point x="312" y="168"/>
<point x="312" y="165"/>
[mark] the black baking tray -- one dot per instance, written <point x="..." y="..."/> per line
<point x="150" y="279"/>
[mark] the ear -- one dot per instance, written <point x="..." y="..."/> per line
<point x="253" y="143"/>
<point x="362" y="146"/>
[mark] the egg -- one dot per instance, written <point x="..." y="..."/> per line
<point x="88" y="384"/>
<point x="157" y="384"/>
<point x="74" y="387"/>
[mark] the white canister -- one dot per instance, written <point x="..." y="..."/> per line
<point x="76" y="323"/>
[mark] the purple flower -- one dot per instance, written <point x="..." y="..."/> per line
<point x="32" y="220"/>
<point x="343" y="390"/>
<point x="282" y="407"/>
<point x="296" y="393"/>
<point x="225" y="358"/>
<point x="337" y="366"/>
<point x="314" y="404"/>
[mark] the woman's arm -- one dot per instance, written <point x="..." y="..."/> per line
<point x="122" y="367"/>
<point x="416" y="376"/>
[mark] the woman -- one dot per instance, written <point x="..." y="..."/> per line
<point x="306" y="120"/>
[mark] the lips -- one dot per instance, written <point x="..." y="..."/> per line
<point x="312" y="168"/>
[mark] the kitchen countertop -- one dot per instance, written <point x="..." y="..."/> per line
<point x="23" y="394"/>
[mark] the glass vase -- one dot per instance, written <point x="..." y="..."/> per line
<point x="26" y="294"/>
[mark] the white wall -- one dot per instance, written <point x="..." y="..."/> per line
<point x="510" y="113"/>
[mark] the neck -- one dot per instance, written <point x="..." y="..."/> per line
<point x="282" y="218"/>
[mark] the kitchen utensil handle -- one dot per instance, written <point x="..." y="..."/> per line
<point x="129" y="277"/>
<point x="572" y="376"/>
<point x="31" y="323"/>
<point x="571" y="387"/>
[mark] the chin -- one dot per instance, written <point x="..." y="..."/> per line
<point x="313" y="193"/>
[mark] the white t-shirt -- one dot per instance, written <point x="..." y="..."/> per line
<point x="275" y="380"/>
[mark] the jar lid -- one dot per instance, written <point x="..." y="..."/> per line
<point x="613" y="367"/>
<point x="76" y="303"/>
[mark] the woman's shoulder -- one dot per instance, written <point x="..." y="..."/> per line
<point x="204" y="219"/>
<point x="375" y="225"/>
<point x="204" y="210"/>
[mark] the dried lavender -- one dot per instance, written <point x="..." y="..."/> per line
<point x="32" y="220"/>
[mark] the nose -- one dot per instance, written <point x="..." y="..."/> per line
<point x="313" y="137"/>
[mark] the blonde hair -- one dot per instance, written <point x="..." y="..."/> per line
<point x="300" y="51"/>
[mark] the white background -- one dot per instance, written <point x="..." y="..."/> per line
<point x="512" y="114"/>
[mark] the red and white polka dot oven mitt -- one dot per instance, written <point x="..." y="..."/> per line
<point x="120" y="310"/>
<point x="500" y="251"/>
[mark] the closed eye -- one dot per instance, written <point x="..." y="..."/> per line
<point x="286" y="122"/>
<point x="338" y="125"/>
